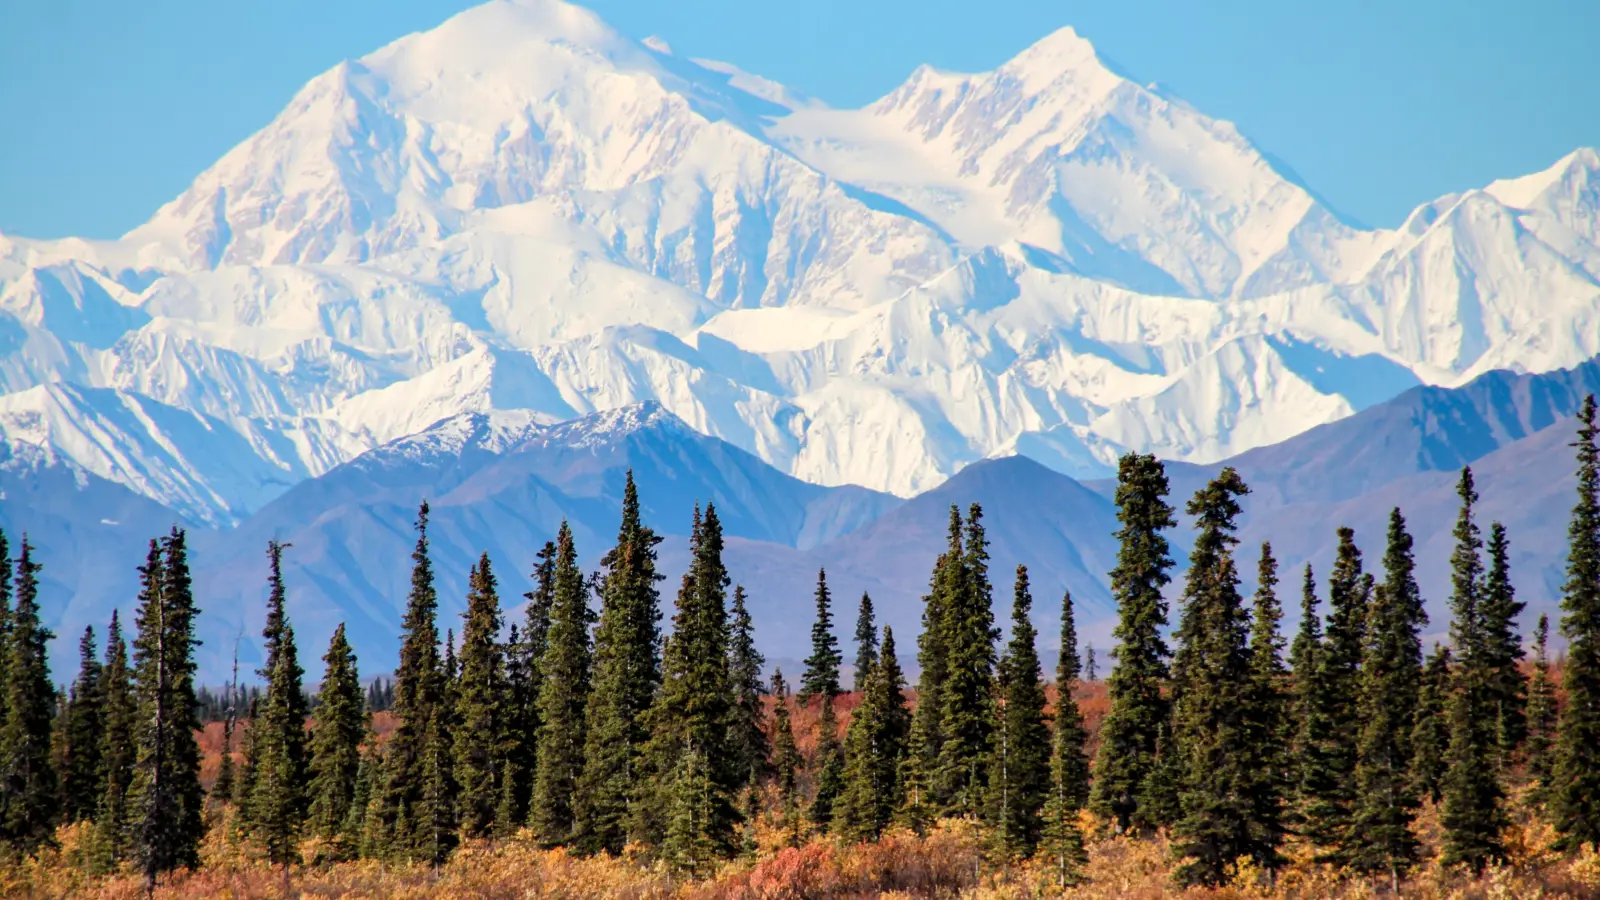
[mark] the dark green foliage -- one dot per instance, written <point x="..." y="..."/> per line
<point x="967" y="716"/>
<point x="627" y="672"/>
<point x="336" y="761"/>
<point x="1267" y="713"/>
<point x="1217" y="763"/>
<point x="1349" y="592"/>
<point x="1019" y="769"/>
<point x="438" y="820"/>
<point x="1314" y="779"/>
<point x="693" y="841"/>
<point x="165" y="796"/>
<point x="400" y="824"/>
<point x="821" y="677"/>
<point x="480" y="726"/>
<point x="1381" y="839"/>
<point x="828" y="765"/>
<point x="5" y="613"/>
<point x="1541" y="714"/>
<point x="1430" y="731"/>
<point x="874" y="746"/>
<point x="744" y="667"/>
<point x="1502" y="649"/>
<point x="1139" y="709"/>
<point x="917" y="809"/>
<point x="1061" y="838"/>
<point x="110" y="844"/>
<point x="1575" y="781"/>
<point x="786" y="760"/>
<point x="693" y="712"/>
<point x="523" y="653"/>
<point x="565" y="669"/>
<point x="1472" y="817"/>
<point x="81" y="727"/>
<point x="276" y="808"/>
<point x="866" y="642"/>
<point x="28" y="787"/>
<point x="947" y="579"/>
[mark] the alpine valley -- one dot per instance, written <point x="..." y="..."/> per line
<point x="499" y="262"/>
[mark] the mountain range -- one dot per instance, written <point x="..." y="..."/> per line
<point x="497" y="262"/>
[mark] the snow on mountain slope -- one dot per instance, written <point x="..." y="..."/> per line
<point x="525" y="209"/>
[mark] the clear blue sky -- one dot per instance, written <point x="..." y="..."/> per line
<point x="108" y="108"/>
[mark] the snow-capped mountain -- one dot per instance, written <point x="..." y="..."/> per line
<point x="523" y="209"/>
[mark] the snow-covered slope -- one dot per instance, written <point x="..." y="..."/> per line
<point x="523" y="209"/>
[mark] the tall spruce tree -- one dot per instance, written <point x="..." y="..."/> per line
<point x="28" y="787"/>
<point x="1139" y="708"/>
<point x="418" y="697"/>
<point x="1020" y="764"/>
<point x="1267" y="714"/>
<point x="967" y="716"/>
<point x="821" y="677"/>
<point x="690" y="722"/>
<point x="1502" y="649"/>
<point x="1381" y="839"/>
<point x="1541" y="714"/>
<point x="1349" y="592"/>
<point x="439" y="819"/>
<point x="949" y="578"/>
<point x="341" y="725"/>
<point x="1430" y="729"/>
<point x="874" y="746"/>
<point x="627" y="673"/>
<point x="565" y="670"/>
<point x="1212" y="695"/>
<point x="480" y="730"/>
<point x="750" y="746"/>
<point x="1575" y="782"/>
<point x="1473" y="816"/>
<point x="1315" y="779"/>
<point x="165" y="796"/>
<point x="828" y="765"/>
<point x="277" y="807"/>
<point x="866" y="641"/>
<point x="523" y="652"/>
<point x="5" y="615"/>
<point x="110" y="842"/>
<point x="786" y="760"/>
<point x="81" y="774"/>
<point x="1061" y="838"/>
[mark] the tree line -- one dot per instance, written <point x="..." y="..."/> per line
<point x="588" y="726"/>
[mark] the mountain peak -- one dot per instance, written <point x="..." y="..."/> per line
<point x="1060" y="51"/>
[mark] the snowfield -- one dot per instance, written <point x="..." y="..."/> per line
<point x="524" y="210"/>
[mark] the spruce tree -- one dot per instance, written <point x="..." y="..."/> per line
<point x="276" y="808"/>
<point x="1430" y="730"/>
<point x="1502" y="649"/>
<point x="627" y="673"/>
<point x="1575" y="782"/>
<point x="828" y="765"/>
<point x="336" y="762"/>
<point x="1541" y="714"/>
<point x="917" y="810"/>
<point x="1381" y="838"/>
<point x="821" y="677"/>
<point x="1315" y="780"/>
<point x="480" y="729"/>
<point x="693" y="712"/>
<point x="28" y="787"/>
<point x="1061" y="838"/>
<point x="1212" y="693"/>
<point x="874" y="745"/>
<point x="786" y="760"/>
<point x="1267" y="711"/>
<point x="165" y="796"/>
<point x="418" y="698"/>
<point x="866" y="642"/>
<point x="81" y="774"/>
<point x="744" y="667"/>
<point x="1020" y="764"/>
<point x="1349" y="592"/>
<point x="439" y="819"/>
<point x="693" y="840"/>
<point x="565" y="670"/>
<point x="949" y="578"/>
<point x="967" y="716"/>
<point x="523" y="653"/>
<point x="1473" y="817"/>
<point x="110" y="841"/>
<point x="1139" y="709"/>
<point x="5" y="615"/>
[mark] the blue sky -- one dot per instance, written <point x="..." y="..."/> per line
<point x="108" y="108"/>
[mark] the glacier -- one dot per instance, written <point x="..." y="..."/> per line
<point x="523" y="210"/>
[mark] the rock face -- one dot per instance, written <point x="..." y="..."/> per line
<point x="523" y="209"/>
